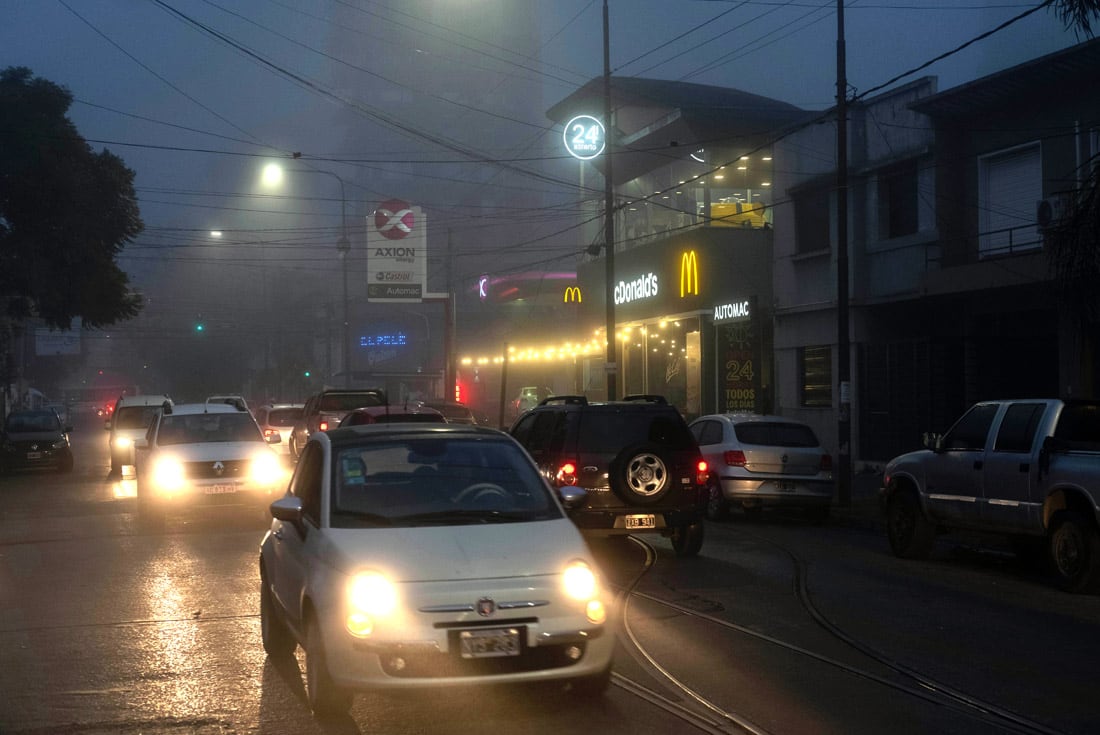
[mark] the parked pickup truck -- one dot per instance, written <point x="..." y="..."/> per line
<point x="1029" y="469"/>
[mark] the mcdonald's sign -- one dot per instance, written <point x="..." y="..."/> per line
<point x="572" y="295"/>
<point x="689" y="274"/>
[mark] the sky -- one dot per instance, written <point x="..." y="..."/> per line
<point x="195" y="95"/>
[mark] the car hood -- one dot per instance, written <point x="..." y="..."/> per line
<point x="456" y="553"/>
<point x="213" y="450"/>
<point x="33" y="436"/>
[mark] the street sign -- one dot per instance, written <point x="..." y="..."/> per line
<point x="584" y="137"/>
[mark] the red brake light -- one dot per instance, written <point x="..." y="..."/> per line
<point x="702" y="476"/>
<point x="323" y="426"/>
<point x="735" y="458"/>
<point x="567" y="474"/>
<point x="826" y="463"/>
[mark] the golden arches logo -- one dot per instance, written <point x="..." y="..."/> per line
<point x="572" y="294"/>
<point x="689" y="274"/>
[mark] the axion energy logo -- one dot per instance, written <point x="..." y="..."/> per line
<point x="394" y="219"/>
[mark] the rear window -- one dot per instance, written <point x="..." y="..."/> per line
<point x="776" y="434"/>
<point x="349" y="401"/>
<point x="135" y="417"/>
<point x="284" y="416"/>
<point x="606" y="432"/>
<point x="1079" y="423"/>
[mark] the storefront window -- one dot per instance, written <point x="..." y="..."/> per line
<point x="663" y="358"/>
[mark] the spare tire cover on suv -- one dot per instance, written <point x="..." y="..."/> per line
<point x="640" y="474"/>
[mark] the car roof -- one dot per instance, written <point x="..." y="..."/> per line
<point x="191" y="409"/>
<point x="275" y="406"/>
<point x="349" y="434"/>
<point x="392" y="410"/>
<point x="149" y="399"/>
<point x="744" y="418"/>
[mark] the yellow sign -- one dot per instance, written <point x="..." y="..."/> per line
<point x="689" y="274"/>
<point x="572" y="294"/>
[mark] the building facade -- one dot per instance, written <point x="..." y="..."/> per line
<point x="952" y="296"/>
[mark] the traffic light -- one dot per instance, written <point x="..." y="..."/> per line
<point x="200" y="327"/>
<point x="306" y="373"/>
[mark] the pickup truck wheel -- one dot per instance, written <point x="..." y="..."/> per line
<point x="911" y="535"/>
<point x="1075" y="552"/>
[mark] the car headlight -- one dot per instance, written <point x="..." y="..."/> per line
<point x="168" y="474"/>
<point x="123" y="442"/>
<point x="580" y="583"/>
<point x="369" y="596"/>
<point x="60" y="443"/>
<point x="265" y="469"/>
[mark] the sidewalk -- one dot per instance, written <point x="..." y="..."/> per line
<point x="864" y="511"/>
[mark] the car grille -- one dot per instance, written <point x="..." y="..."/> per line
<point x="225" y="469"/>
<point x="434" y="665"/>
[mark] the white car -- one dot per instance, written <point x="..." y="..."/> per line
<point x="410" y="556"/>
<point x="197" y="454"/>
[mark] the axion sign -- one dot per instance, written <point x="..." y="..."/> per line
<point x="394" y="219"/>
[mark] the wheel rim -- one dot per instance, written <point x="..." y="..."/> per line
<point x="714" y="502"/>
<point x="646" y="475"/>
<point x="1068" y="555"/>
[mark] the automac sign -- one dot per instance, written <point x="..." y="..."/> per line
<point x="731" y="312"/>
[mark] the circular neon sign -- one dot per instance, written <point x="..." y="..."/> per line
<point x="584" y="137"/>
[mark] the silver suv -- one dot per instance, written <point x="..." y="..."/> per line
<point x="763" y="461"/>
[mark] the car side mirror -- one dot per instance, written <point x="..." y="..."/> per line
<point x="289" y="510"/>
<point x="572" y="497"/>
<point x="273" y="438"/>
<point x="931" y="440"/>
<point x="141" y="443"/>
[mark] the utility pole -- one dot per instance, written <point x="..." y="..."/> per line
<point x="609" y="214"/>
<point x="844" y="413"/>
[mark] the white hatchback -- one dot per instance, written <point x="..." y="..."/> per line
<point x="409" y="556"/>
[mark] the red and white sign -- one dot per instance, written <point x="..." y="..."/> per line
<point x="397" y="253"/>
<point x="394" y="219"/>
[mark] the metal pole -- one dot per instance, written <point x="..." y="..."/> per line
<point x="503" y="387"/>
<point x="844" y="414"/>
<point x="344" y="246"/>
<point x="609" y="214"/>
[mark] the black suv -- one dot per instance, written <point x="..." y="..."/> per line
<point x="324" y="410"/>
<point x="635" y="458"/>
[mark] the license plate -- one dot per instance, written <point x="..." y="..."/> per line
<point x="489" y="643"/>
<point x="646" y="521"/>
<point x="34" y="455"/>
<point x="785" y="487"/>
<point x="220" y="489"/>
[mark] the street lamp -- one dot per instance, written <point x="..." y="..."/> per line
<point x="272" y="176"/>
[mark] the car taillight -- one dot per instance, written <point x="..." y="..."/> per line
<point x="323" y="426"/>
<point x="702" y="476"/>
<point x="567" y="474"/>
<point x="826" y="463"/>
<point x="735" y="458"/>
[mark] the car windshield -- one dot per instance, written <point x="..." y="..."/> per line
<point x="208" y="427"/>
<point x="434" y="481"/>
<point x="32" y="421"/>
<point x="135" y="417"/>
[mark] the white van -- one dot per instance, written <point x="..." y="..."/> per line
<point x="130" y="421"/>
